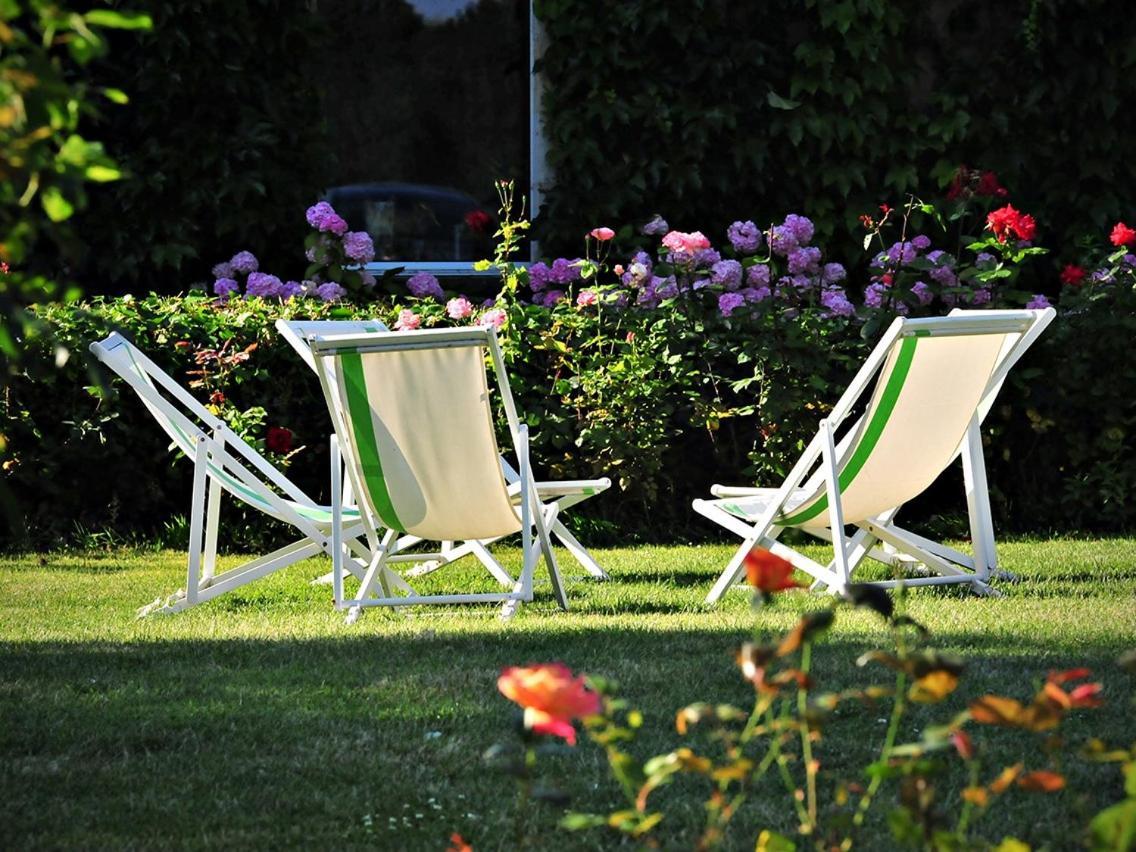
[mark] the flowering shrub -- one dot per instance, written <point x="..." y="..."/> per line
<point x="942" y="782"/>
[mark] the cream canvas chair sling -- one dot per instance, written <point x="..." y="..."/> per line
<point x="937" y="379"/>
<point x="414" y="425"/>
<point x="565" y="493"/>
<point x="223" y="462"/>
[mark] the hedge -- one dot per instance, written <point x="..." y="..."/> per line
<point x="675" y="407"/>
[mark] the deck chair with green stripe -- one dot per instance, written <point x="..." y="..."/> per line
<point x="566" y="493"/>
<point x="937" y="379"/>
<point x="224" y="463"/>
<point x="414" y="424"/>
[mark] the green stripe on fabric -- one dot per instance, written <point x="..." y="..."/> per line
<point x="363" y="432"/>
<point x="871" y="435"/>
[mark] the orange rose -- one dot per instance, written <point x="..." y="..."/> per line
<point x="551" y="697"/>
<point x="768" y="573"/>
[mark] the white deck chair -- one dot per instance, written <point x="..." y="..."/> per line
<point x="566" y="493"/>
<point x="937" y="379"/>
<point x="414" y="425"/>
<point x="224" y="461"/>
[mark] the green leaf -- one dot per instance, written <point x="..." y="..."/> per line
<point x="116" y="96"/>
<point x="101" y="173"/>
<point x="778" y="102"/>
<point x="55" y="204"/>
<point x="119" y="20"/>
<point x="1114" y="828"/>
<point x="580" y="822"/>
<point x="771" y="841"/>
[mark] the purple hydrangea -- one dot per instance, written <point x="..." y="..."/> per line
<point x="803" y="283"/>
<point x="224" y="287"/>
<point x="423" y="284"/>
<point x="1102" y="276"/>
<point x="744" y="237"/>
<point x="358" y="247"/>
<point x="837" y="302"/>
<point x="782" y="240"/>
<point x="875" y="294"/>
<point x="756" y="294"/>
<point x="330" y="292"/>
<point x="727" y="273"/>
<point x="667" y="288"/>
<point x="291" y="290"/>
<point x="985" y="260"/>
<point x="317" y="213"/>
<point x="901" y="253"/>
<point x="1129" y="260"/>
<point x="367" y="279"/>
<point x="922" y="292"/>
<point x="564" y="271"/>
<point x="758" y="275"/>
<point x="700" y="283"/>
<point x="1038" y="302"/>
<point x="334" y="224"/>
<point x="706" y="257"/>
<point x="804" y="260"/>
<point x="244" y="262"/>
<point x="538" y="276"/>
<point x="981" y="296"/>
<point x="551" y="298"/>
<point x="730" y="302"/>
<point x="944" y="276"/>
<point x="800" y="227"/>
<point x="262" y="284"/>
<point x="833" y="272"/>
<point x="223" y="270"/>
<point x="922" y="242"/>
<point x="656" y="227"/>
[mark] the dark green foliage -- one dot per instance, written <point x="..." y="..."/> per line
<point x="223" y="145"/>
<point x="707" y="110"/>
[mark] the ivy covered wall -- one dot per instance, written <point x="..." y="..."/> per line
<point x="707" y="110"/>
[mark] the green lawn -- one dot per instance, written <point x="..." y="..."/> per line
<point x="261" y="721"/>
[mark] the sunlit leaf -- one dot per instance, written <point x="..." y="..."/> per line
<point x="933" y="687"/>
<point x="1005" y="778"/>
<point x="1042" y="781"/>
<point x="976" y="796"/>
<point x="119" y="20"/>
<point x="1012" y="844"/>
<point x="771" y="841"/>
<point x="55" y="204"/>
<point x="996" y="710"/>
<point x="1115" y="828"/>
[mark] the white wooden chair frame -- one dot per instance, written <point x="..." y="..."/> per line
<point x="222" y="461"/>
<point x="381" y="586"/>
<point x="564" y="493"/>
<point x="879" y="537"/>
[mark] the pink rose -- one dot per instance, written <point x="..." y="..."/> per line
<point x="459" y="308"/>
<point x="586" y="297"/>
<point x="407" y="320"/>
<point x="495" y="318"/>
<point x="618" y="269"/>
<point x="603" y="234"/>
<point x="688" y="243"/>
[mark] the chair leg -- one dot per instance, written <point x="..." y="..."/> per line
<point x="546" y="518"/>
<point x="978" y="503"/>
<point x="577" y="550"/>
<point x="196" y="521"/>
<point x="835" y="510"/>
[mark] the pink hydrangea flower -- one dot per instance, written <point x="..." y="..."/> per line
<point x="689" y="243"/>
<point x="407" y="320"/>
<point x="459" y="308"/>
<point x="495" y="318"/>
<point x="333" y="223"/>
<point x="586" y="297"/>
<point x="601" y="234"/>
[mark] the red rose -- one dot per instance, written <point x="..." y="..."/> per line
<point x="478" y="221"/>
<point x="1025" y="227"/>
<point x="1122" y="235"/>
<point x="988" y="185"/>
<point x="217" y="398"/>
<point x="279" y="439"/>
<point x="1006" y="221"/>
<point x="1072" y="275"/>
<point x="769" y="573"/>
